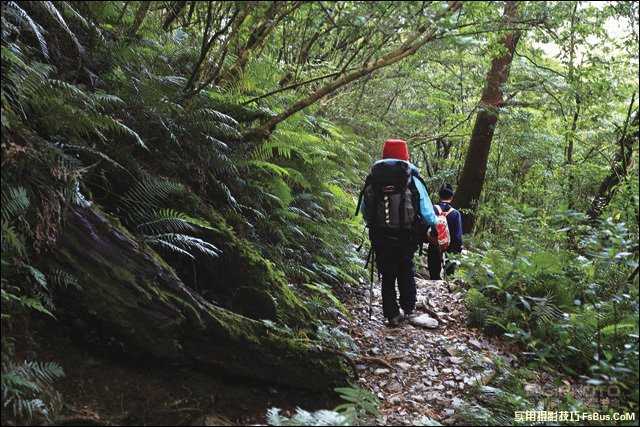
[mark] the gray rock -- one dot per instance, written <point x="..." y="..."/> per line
<point x="452" y="351"/>
<point x="432" y="373"/>
<point x="475" y="344"/>
<point x="381" y="371"/>
<point x="394" y="387"/>
<point x="457" y="402"/>
<point x="417" y="398"/>
<point x="433" y="396"/>
<point x="425" y="321"/>
<point x="403" y="365"/>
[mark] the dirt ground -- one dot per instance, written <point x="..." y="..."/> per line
<point x="102" y="389"/>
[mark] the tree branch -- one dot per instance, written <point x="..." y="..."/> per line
<point x="414" y="42"/>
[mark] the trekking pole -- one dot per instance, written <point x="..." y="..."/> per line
<point x="371" y="285"/>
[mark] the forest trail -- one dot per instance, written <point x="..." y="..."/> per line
<point x="418" y="372"/>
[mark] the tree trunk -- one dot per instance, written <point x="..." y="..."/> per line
<point x="569" y="153"/>
<point x="619" y="169"/>
<point x="139" y="19"/>
<point x="130" y="293"/>
<point x="276" y="13"/>
<point x="174" y="10"/>
<point x="475" y="165"/>
<point x="570" y="137"/>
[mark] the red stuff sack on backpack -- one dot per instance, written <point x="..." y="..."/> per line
<point x="444" y="238"/>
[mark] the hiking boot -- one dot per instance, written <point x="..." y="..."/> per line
<point x="395" y="321"/>
<point x="408" y="315"/>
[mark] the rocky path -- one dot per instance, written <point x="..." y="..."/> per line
<point x="418" y="372"/>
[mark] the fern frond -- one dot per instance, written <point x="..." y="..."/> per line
<point x="15" y="201"/>
<point x="169" y="220"/>
<point x="25" y="388"/>
<point x="120" y="128"/>
<point x="269" y="167"/>
<point x="216" y="116"/>
<point x="12" y="242"/>
<point x="75" y="15"/>
<point x="105" y="99"/>
<point x="187" y="243"/>
<point x="34" y="27"/>
<point x="170" y="247"/>
<point x="178" y="81"/>
<point x="217" y="128"/>
<point x="223" y="164"/>
<point x="63" y="280"/>
<point x="93" y="152"/>
<point x="150" y="193"/>
<point x="49" y="8"/>
<point x="68" y="89"/>
<point x="226" y="192"/>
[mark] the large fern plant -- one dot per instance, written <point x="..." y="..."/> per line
<point x="164" y="228"/>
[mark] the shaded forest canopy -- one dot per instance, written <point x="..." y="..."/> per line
<point x="179" y="181"/>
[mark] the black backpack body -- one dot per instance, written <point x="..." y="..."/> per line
<point x="391" y="198"/>
<point x="392" y="213"/>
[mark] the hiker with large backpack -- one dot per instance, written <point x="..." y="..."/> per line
<point x="449" y="226"/>
<point x="398" y="212"/>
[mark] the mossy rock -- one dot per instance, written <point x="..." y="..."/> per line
<point x="129" y="292"/>
<point x="254" y="303"/>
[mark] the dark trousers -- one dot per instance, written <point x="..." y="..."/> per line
<point x="395" y="262"/>
<point x="434" y="261"/>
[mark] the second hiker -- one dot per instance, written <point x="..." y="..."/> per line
<point x="398" y="213"/>
<point x="454" y="230"/>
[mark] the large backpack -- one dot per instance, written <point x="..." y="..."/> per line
<point x="444" y="237"/>
<point x="391" y="198"/>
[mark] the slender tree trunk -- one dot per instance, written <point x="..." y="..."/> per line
<point x="273" y="17"/>
<point x="139" y="19"/>
<point x="475" y="165"/>
<point x="569" y="158"/>
<point x="408" y="48"/>
<point x="570" y="137"/>
<point x="122" y="12"/>
<point x="619" y="169"/>
<point x="175" y="8"/>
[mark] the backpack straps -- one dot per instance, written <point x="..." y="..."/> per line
<point x="359" y="201"/>
<point x="401" y="207"/>
<point x="419" y="178"/>
<point x="440" y="211"/>
<point x="361" y="196"/>
<point x="451" y="209"/>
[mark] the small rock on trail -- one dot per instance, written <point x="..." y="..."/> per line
<point x="425" y="321"/>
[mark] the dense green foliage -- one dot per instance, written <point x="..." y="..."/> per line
<point x="158" y="114"/>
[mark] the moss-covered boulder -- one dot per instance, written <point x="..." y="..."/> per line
<point x="131" y="292"/>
